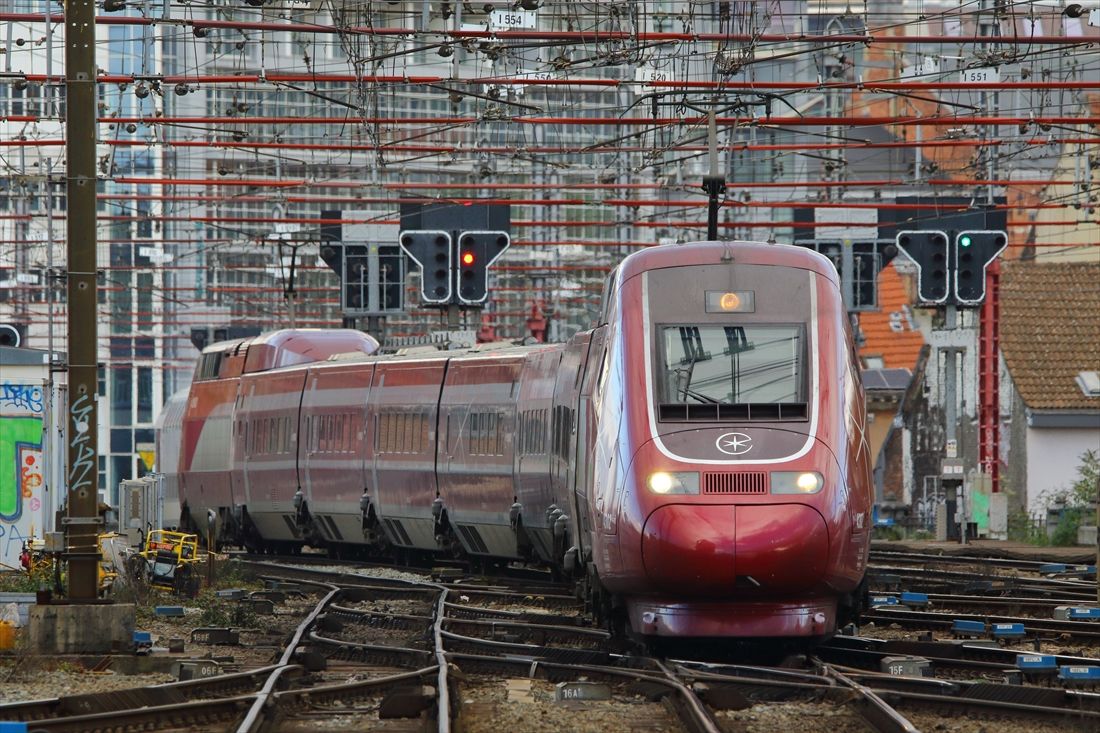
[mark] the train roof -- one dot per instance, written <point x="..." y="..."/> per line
<point x="278" y="349"/>
<point x="710" y="253"/>
<point x="492" y="350"/>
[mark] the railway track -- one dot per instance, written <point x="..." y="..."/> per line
<point x="958" y="656"/>
<point x="1082" y="631"/>
<point x="932" y="580"/>
<point x="881" y="556"/>
<point x="415" y="653"/>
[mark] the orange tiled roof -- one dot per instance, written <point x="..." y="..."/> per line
<point x="1050" y="331"/>
<point x="891" y="332"/>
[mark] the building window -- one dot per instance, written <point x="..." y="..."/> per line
<point x="122" y="398"/>
<point x="121" y="470"/>
<point x="145" y="394"/>
<point x="121" y="440"/>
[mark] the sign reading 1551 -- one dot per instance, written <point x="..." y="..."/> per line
<point x="987" y="75"/>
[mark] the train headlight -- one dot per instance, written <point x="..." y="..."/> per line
<point x="797" y="482"/>
<point x="678" y="482"/>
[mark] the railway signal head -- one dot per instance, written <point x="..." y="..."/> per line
<point x="477" y="251"/>
<point x="974" y="251"/>
<point x="928" y="250"/>
<point x="430" y="249"/>
<point x="356" y="281"/>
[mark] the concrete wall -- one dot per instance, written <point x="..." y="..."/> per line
<point x="880" y="418"/>
<point x="1054" y="454"/>
<point x="31" y="453"/>
<point x="1014" y="458"/>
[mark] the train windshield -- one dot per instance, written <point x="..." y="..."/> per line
<point x="761" y="364"/>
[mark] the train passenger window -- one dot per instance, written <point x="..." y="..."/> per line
<point x="562" y="428"/>
<point x="532" y="430"/>
<point x="396" y="431"/>
<point x="752" y="364"/>
<point x="485" y="437"/>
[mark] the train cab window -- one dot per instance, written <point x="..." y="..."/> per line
<point x="605" y="298"/>
<point x="724" y="372"/>
<point x="209" y="365"/>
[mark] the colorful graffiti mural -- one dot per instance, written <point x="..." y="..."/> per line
<point x="22" y="411"/>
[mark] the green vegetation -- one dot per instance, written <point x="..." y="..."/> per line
<point x="16" y="582"/>
<point x="41" y="576"/>
<point x="889" y="534"/>
<point x="1023" y="528"/>
<point x="1075" y="504"/>
<point x="902" y="532"/>
<point x="216" y="612"/>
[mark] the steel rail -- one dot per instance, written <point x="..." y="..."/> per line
<point x="462" y="611"/>
<point x="1000" y="707"/>
<point x="191" y="712"/>
<point x="443" y="715"/>
<point x="226" y="685"/>
<point x="938" y="651"/>
<point x="354" y="585"/>
<point x="443" y="701"/>
<point x="527" y="629"/>
<point x="692" y="710"/>
<point x="562" y="655"/>
<point x="365" y="652"/>
<point x="947" y="600"/>
<point x="949" y="559"/>
<point x="362" y="617"/>
<point x="178" y="715"/>
<point x="876" y="711"/>
<point x="1016" y="581"/>
<point x="255" y="717"/>
<point x="853" y="657"/>
<point x="349" y="690"/>
<point x="1076" y="629"/>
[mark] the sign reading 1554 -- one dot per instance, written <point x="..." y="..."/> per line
<point x="502" y="20"/>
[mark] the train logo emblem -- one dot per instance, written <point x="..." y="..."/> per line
<point x="734" y="444"/>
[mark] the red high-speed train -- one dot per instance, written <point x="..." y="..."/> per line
<point x="698" y="460"/>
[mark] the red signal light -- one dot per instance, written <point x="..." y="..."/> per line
<point x="467" y="258"/>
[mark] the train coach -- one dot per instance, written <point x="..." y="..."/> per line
<point x="697" y="460"/>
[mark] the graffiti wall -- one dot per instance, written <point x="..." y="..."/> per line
<point x="22" y="469"/>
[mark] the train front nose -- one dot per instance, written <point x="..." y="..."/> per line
<point x="714" y="549"/>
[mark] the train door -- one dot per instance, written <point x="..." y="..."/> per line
<point x="272" y="404"/>
<point x="403" y="414"/>
<point x="478" y="410"/>
<point x="238" y="452"/>
<point x="333" y="448"/>
<point x="585" y="439"/>
<point x="533" y="448"/>
<point x="246" y="396"/>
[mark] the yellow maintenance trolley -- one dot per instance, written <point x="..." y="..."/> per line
<point x="167" y="560"/>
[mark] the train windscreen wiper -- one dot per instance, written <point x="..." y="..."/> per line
<point x="692" y="343"/>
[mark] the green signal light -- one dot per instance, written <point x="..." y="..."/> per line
<point x="964" y="241"/>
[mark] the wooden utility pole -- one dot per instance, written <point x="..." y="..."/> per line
<point x="82" y="518"/>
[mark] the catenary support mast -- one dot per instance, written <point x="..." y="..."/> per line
<point x="81" y="520"/>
